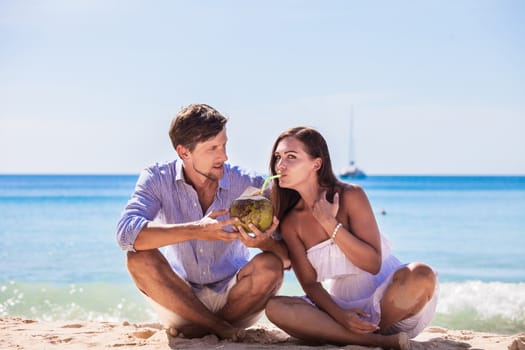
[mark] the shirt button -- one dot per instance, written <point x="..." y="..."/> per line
<point x="200" y="250"/>
<point x="204" y="273"/>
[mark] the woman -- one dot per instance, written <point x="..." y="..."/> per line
<point x="332" y="235"/>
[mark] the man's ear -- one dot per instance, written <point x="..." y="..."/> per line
<point x="183" y="152"/>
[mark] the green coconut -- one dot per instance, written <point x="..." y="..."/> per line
<point x="255" y="209"/>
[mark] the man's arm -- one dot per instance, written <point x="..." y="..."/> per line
<point x="155" y="235"/>
<point x="138" y="230"/>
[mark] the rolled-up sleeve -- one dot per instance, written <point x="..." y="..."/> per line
<point x="140" y="209"/>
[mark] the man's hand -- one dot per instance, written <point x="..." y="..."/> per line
<point x="211" y="229"/>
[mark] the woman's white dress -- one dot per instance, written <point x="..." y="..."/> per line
<point x="352" y="287"/>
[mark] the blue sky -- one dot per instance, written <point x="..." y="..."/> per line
<point x="437" y="87"/>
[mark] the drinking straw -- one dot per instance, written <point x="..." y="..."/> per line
<point x="267" y="180"/>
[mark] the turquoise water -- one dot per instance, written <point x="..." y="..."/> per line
<point x="60" y="260"/>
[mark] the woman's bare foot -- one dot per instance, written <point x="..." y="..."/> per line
<point x="395" y="341"/>
<point x="404" y="341"/>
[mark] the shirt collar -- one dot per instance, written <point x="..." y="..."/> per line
<point x="224" y="183"/>
<point x="179" y="174"/>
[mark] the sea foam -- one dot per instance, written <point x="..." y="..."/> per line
<point x="480" y="306"/>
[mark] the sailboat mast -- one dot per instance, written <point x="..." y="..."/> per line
<point x="351" y="170"/>
<point x="351" y="136"/>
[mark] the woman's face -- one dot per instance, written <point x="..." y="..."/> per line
<point x="294" y="164"/>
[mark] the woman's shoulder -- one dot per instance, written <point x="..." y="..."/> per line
<point x="352" y="193"/>
<point x="350" y="189"/>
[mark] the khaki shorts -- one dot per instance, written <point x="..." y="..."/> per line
<point x="212" y="300"/>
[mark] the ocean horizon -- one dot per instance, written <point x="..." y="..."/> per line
<point x="61" y="260"/>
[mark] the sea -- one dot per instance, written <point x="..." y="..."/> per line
<point x="59" y="259"/>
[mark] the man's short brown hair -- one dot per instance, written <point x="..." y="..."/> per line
<point x="195" y="123"/>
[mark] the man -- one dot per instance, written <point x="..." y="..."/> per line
<point x="204" y="281"/>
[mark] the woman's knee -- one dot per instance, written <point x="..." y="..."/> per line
<point x="275" y="307"/>
<point x="416" y="271"/>
<point x="271" y="307"/>
<point x="417" y="275"/>
<point x="423" y="274"/>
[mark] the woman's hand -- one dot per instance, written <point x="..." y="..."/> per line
<point x="257" y="238"/>
<point x="354" y="322"/>
<point x="324" y="211"/>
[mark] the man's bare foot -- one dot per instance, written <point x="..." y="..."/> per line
<point x="227" y="333"/>
<point x="193" y="331"/>
<point x="231" y="333"/>
<point x="173" y="332"/>
<point x="238" y="335"/>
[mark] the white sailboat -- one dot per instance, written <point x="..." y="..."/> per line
<point x="351" y="170"/>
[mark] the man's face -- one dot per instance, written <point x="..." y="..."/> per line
<point x="208" y="157"/>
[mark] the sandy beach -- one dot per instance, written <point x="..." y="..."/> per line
<point x="19" y="333"/>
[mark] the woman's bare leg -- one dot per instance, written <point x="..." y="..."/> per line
<point x="411" y="288"/>
<point x="304" y="321"/>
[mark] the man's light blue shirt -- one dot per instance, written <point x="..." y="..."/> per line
<point x="163" y="195"/>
